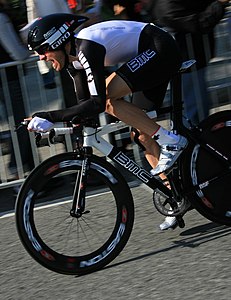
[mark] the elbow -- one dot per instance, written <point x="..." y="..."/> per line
<point x="100" y="105"/>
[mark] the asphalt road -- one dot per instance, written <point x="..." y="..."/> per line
<point x="189" y="263"/>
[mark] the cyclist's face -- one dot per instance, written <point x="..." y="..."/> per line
<point x="57" y="58"/>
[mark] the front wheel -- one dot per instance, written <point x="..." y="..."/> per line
<point x="207" y="179"/>
<point x="56" y="238"/>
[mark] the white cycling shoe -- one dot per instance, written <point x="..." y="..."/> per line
<point x="168" y="155"/>
<point x="169" y="223"/>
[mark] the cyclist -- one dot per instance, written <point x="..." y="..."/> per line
<point x="148" y="57"/>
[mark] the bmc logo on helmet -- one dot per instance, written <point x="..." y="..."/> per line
<point x="61" y="40"/>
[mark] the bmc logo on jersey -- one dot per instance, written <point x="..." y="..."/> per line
<point x="61" y="40"/>
<point x="140" y="60"/>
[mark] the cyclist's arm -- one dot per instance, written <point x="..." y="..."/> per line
<point x="92" y="58"/>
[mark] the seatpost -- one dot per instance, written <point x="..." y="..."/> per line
<point x="176" y="101"/>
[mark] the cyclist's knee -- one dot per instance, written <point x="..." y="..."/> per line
<point x="111" y="106"/>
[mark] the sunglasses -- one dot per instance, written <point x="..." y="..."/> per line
<point x="42" y="49"/>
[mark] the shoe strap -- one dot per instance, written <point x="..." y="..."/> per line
<point x="173" y="147"/>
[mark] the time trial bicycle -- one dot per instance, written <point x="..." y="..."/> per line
<point x="83" y="229"/>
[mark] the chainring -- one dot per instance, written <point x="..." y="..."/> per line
<point x="168" y="206"/>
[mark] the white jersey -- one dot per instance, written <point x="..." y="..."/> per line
<point x="119" y="38"/>
<point x="134" y="49"/>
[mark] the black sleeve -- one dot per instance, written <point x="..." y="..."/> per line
<point x="182" y="16"/>
<point x="91" y="56"/>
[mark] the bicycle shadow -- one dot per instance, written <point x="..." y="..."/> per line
<point x="203" y="229"/>
<point x="192" y="238"/>
<point x="201" y="234"/>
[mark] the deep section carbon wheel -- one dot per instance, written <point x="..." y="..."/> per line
<point x="64" y="242"/>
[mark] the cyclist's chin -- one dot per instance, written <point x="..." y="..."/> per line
<point x="57" y="66"/>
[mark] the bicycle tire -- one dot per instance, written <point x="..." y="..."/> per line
<point x="211" y="198"/>
<point x="54" y="238"/>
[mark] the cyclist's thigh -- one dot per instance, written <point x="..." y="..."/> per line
<point x="116" y="87"/>
<point x="151" y="99"/>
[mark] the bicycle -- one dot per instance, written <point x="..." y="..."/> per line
<point x="90" y="232"/>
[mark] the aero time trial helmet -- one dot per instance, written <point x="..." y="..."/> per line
<point x="52" y="32"/>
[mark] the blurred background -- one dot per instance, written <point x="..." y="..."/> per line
<point x="41" y="90"/>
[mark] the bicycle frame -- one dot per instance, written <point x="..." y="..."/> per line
<point x="93" y="138"/>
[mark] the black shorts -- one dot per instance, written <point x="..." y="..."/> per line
<point x="151" y="70"/>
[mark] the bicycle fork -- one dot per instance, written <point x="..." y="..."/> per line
<point x="79" y="196"/>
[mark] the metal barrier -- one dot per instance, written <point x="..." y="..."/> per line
<point x="36" y="98"/>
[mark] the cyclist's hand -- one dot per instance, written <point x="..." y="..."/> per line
<point x="40" y="125"/>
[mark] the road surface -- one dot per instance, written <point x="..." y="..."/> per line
<point x="189" y="263"/>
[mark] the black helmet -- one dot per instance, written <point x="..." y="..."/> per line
<point x="53" y="31"/>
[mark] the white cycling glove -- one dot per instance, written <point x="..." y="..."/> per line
<point x="40" y="125"/>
